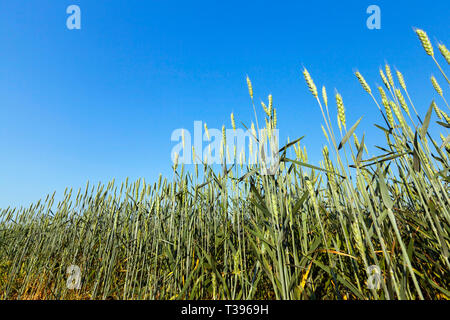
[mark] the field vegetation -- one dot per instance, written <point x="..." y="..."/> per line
<point x="311" y="231"/>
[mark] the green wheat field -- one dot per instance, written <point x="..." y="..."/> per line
<point x="311" y="231"/>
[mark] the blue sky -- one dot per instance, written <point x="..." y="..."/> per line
<point x="102" y="102"/>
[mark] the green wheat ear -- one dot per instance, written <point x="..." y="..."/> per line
<point x="206" y="131"/>
<point x="401" y="80"/>
<point x="309" y="81"/>
<point x="436" y="86"/>
<point x="363" y="82"/>
<point x="384" y="79"/>
<point x="437" y="110"/>
<point x="446" y="116"/>
<point x="341" y="110"/>
<point x="224" y="136"/>
<point x="266" y="110"/>
<point x="445" y="53"/>
<point x="382" y="93"/>
<point x="250" y="88"/>
<point x="233" y="124"/>
<point x="270" y="104"/>
<point x="426" y="44"/>
<point x="397" y="113"/>
<point x="324" y="96"/>
<point x="389" y="75"/>
<point x="387" y="108"/>
<point x="402" y="101"/>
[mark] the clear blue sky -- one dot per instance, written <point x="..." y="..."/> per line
<point x="102" y="102"/>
